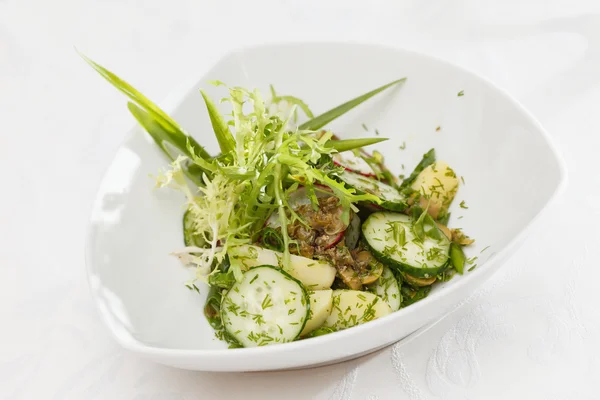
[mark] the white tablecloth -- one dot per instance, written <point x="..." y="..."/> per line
<point x="530" y="333"/>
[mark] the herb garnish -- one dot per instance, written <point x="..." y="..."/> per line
<point x="267" y="302"/>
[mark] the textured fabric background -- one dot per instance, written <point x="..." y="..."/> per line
<point x="530" y="333"/>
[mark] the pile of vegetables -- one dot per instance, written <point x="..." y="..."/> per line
<point x="296" y="232"/>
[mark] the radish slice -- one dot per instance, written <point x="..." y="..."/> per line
<point x="380" y="168"/>
<point x="328" y="241"/>
<point x="353" y="163"/>
<point x="350" y="162"/>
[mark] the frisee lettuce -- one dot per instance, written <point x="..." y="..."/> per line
<point x="263" y="160"/>
<point x="254" y="180"/>
<point x="281" y="105"/>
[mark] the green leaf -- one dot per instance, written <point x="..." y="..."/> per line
<point x="457" y="258"/>
<point x="433" y="232"/>
<point x="325" y="118"/>
<point x="410" y="296"/>
<point x="293" y="100"/>
<point x="212" y="308"/>
<point x="220" y="127"/>
<point x="426" y="161"/>
<point x="222" y="280"/>
<point x="399" y="233"/>
<point x="156" y="130"/>
<point x="163" y="138"/>
<point x="206" y="166"/>
<point x="171" y="132"/>
<point x="351" y="144"/>
<point x="272" y="239"/>
<point x="425" y="226"/>
<point x="444" y="218"/>
<point x="419" y="226"/>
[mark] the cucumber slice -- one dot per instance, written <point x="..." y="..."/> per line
<point x="320" y="308"/>
<point x="190" y="238"/>
<point x="388" y="289"/>
<point x="392" y="240"/>
<point x="354" y="307"/>
<point x="392" y="199"/>
<point x="314" y="274"/>
<point x="267" y="307"/>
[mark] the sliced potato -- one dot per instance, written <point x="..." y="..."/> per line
<point x="320" y="308"/>
<point x="438" y="184"/>
<point x="314" y="275"/>
<point x="354" y="307"/>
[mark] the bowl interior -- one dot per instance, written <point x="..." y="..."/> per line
<point x="509" y="168"/>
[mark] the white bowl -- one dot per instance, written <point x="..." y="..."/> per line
<point x="509" y="164"/>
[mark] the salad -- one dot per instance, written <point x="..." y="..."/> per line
<point x="293" y="232"/>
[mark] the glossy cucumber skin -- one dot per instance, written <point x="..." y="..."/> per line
<point x="394" y="262"/>
<point x="238" y="326"/>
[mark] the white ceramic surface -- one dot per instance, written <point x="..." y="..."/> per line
<point x="510" y="168"/>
